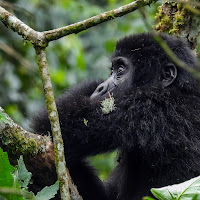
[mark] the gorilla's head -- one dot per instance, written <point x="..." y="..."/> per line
<point x="140" y="61"/>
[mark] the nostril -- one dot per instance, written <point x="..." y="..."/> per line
<point x="100" y="89"/>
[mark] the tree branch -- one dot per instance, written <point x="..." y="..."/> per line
<point x="55" y="125"/>
<point x="11" y="52"/>
<point x="179" y="18"/>
<point x="37" y="150"/>
<point x="98" y="19"/>
<point x="42" y="38"/>
<point x="9" y="20"/>
<point x="19" y="141"/>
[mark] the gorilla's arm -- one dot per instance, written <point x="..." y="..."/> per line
<point x="81" y="139"/>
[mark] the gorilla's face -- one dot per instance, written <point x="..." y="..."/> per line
<point x="142" y="62"/>
<point x="121" y="75"/>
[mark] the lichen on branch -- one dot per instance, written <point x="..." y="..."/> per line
<point x="62" y="172"/>
<point x="10" y="21"/>
<point x="180" y="19"/>
<point x="19" y="141"/>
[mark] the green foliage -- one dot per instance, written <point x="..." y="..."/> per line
<point x="22" y="174"/>
<point x="48" y="192"/>
<point x="105" y="163"/>
<point x="14" y="182"/>
<point x="148" y="198"/>
<point x="110" y="45"/>
<point x="188" y="190"/>
<point x="1" y="198"/>
<point x="6" y="177"/>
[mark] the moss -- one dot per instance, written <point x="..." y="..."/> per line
<point x="19" y="143"/>
<point x="56" y="152"/>
<point x="108" y="105"/>
<point x="170" y="17"/>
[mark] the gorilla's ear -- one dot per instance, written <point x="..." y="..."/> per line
<point x="169" y="74"/>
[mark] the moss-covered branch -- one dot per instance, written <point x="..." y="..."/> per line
<point x="42" y="38"/>
<point x="19" y="141"/>
<point x="9" y="20"/>
<point x="93" y="21"/>
<point x="55" y="125"/>
<point x="179" y="19"/>
<point x="62" y="172"/>
<point x="37" y="150"/>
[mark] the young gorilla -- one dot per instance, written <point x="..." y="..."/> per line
<point x="155" y="126"/>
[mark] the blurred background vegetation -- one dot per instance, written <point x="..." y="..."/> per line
<point x="71" y="59"/>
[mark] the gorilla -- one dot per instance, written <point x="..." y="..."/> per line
<point x="154" y="123"/>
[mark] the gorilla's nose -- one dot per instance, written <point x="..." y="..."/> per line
<point x="100" y="90"/>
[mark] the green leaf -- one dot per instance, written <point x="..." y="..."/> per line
<point x="85" y="121"/>
<point x="13" y="179"/>
<point x="183" y="191"/>
<point x="6" y="177"/>
<point x="24" y="176"/>
<point x="48" y="192"/>
<point x="196" y="197"/>
<point x="148" y="198"/>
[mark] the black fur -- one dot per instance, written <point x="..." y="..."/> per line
<point x="155" y="129"/>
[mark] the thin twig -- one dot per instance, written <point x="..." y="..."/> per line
<point x="11" y="52"/>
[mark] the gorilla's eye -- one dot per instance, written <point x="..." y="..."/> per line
<point x="120" y="70"/>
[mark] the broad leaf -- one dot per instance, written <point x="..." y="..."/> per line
<point x="6" y="178"/>
<point x="184" y="191"/>
<point x="147" y="198"/>
<point x="24" y="176"/>
<point x="48" y="192"/>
